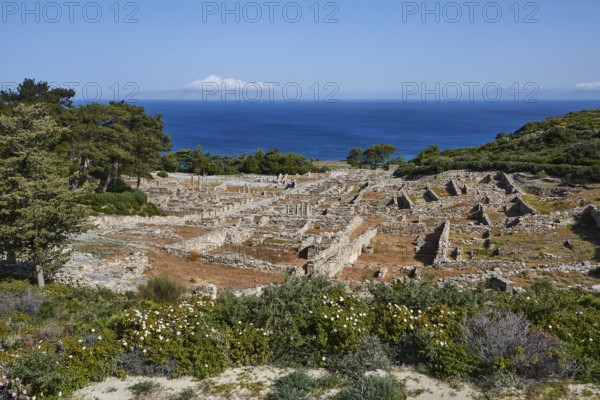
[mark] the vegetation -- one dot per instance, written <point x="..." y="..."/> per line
<point x="38" y="210"/>
<point x="567" y="147"/>
<point x="129" y="202"/>
<point x="376" y="156"/>
<point x="270" y="163"/>
<point x="66" y="337"/>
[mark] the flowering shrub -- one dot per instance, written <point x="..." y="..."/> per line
<point x="12" y="388"/>
<point x="430" y="336"/>
<point x="249" y="345"/>
<point x="341" y="322"/>
<point x="571" y="316"/>
<point x="185" y="333"/>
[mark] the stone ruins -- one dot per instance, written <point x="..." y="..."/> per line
<point x="354" y="225"/>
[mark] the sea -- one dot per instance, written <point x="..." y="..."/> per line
<point x="327" y="131"/>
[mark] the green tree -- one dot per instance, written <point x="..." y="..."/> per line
<point x="38" y="212"/>
<point x="376" y="156"/>
<point x="355" y="157"/>
<point x="31" y="92"/>
<point x="106" y="140"/>
<point x="145" y="139"/>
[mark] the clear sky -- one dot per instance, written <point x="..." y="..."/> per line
<point x="377" y="49"/>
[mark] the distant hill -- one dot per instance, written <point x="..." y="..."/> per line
<point x="567" y="146"/>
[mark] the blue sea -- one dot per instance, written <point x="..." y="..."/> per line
<point x="327" y="131"/>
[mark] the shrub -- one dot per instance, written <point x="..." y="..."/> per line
<point x="370" y="355"/>
<point x="505" y="342"/>
<point x="27" y="302"/>
<point x="135" y="363"/>
<point x="187" y="394"/>
<point x="296" y="386"/>
<point x="12" y="387"/>
<point x="342" y="321"/>
<point x="131" y="202"/>
<point x="420" y="294"/>
<point x="43" y="371"/>
<point x="184" y="333"/>
<point x="144" y="387"/>
<point x="374" y="388"/>
<point x="430" y="336"/>
<point x="248" y="345"/>
<point x="573" y="316"/>
<point x="289" y="313"/>
<point x="162" y="174"/>
<point x="163" y="290"/>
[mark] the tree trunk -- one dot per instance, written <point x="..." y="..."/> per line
<point x="112" y="174"/>
<point x="139" y="181"/>
<point x="40" y="276"/>
<point x="83" y="165"/>
<point x="106" y="183"/>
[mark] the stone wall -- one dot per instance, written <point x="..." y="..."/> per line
<point x="121" y="275"/>
<point x="210" y="241"/>
<point x="508" y="183"/>
<point x="342" y="240"/>
<point x="404" y="201"/>
<point x="342" y="257"/>
<point x="443" y="245"/>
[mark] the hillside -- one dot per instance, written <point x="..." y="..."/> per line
<point x="567" y="146"/>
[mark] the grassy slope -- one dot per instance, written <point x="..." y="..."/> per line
<point x="567" y="146"/>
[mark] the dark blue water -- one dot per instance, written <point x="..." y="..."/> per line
<point x="328" y="131"/>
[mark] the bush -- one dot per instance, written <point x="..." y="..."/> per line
<point x="187" y="394"/>
<point x="27" y="302"/>
<point x="132" y="202"/>
<point x="342" y="321"/>
<point x="163" y="290"/>
<point x="44" y="372"/>
<point x="421" y="294"/>
<point x="162" y="174"/>
<point x="135" y="363"/>
<point x="185" y="334"/>
<point x="573" y="316"/>
<point x="370" y="355"/>
<point x="289" y="313"/>
<point x="296" y="386"/>
<point x="144" y="387"/>
<point x="505" y="342"/>
<point x="374" y="388"/>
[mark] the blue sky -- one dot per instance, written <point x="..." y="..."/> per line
<point x="378" y="49"/>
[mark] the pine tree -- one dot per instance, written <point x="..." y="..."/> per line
<point x="38" y="212"/>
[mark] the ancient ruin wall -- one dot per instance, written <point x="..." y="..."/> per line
<point x="404" y="201"/>
<point x="443" y="245"/>
<point x="508" y="183"/>
<point x="342" y="241"/>
<point x="344" y="256"/>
